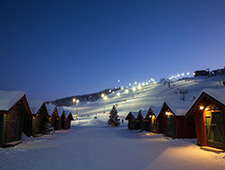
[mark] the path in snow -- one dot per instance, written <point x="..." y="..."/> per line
<point x="102" y="147"/>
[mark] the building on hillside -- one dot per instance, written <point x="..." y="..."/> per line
<point x="172" y="122"/>
<point x="131" y="117"/>
<point x="39" y="117"/>
<point x="67" y="120"/>
<point x="208" y="111"/>
<point x="201" y="73"/>
<point x="13" y="110"/>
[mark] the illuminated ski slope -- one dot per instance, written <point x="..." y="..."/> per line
<point x="149" y="95"/>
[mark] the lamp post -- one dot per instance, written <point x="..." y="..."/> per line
<point x="77" y="101"/>
<point x="74" y="100"/>
<point x="104" y="98"/>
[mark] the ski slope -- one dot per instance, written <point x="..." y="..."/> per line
<point x="149" y="95"/>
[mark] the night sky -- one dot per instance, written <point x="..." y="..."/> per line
<point x="60" y="48"/>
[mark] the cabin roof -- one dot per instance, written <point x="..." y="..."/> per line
<point x="135" y="114"/>
<point x="178" y="107"/>
<point x="35" y="105"/>
<point x="59" y="111"/>
<point x="218" y="94"/>
<point x="144" y="113"/>
<point x="67" y="112"/>
<point x="9" y="98"/>
<point x="50" y="108"/>
<point x="155" y="110"/>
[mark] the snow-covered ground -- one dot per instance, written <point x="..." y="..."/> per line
<point x="91" y="144"/>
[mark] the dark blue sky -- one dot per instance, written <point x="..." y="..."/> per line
<point x="54" y="49"/>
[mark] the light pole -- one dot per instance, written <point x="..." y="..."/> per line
<point x="77" y="107"/>
<point x="104" y="98"/>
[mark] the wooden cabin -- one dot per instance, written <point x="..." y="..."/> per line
<point x="39" y="117"/>
<point x="67" y="120"/>
<point x="59" y="118"/>
<point x="172" y="122"/>
<point x="131" y="117"/>
<point x="13" y="110"/>
<point x="150" y="119"/>
<point x="141" y="117"/>
<point x="52" y="114"/>
<point x="208" y="111"/>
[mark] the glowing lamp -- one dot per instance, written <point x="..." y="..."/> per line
<point x="105" y="98"/>
<point x="103" y="95"/>
<point x="139" y="87"/>
<point x="201" y="107"/>
<point x="77" y="101"/>
<point x="134" y="88"/>
<point x="118" y="94"/>
<point x="126" y="91"/>
<point x="74" y="100"/>
<point x="167" y="113"/>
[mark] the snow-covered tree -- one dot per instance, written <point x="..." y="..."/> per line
<point x="113" y="117"/>
<point x="48" y="129"/>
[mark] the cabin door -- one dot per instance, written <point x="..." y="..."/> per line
<point x="215" y="129"/>
<point x="160" y="127"/>
<point x="12" y="126"/>
<point x="171" y="126"/>
<point x="36" y="124"/>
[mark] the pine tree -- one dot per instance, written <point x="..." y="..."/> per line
<point x="48" y="129"/>
<point x="113" y="117"/>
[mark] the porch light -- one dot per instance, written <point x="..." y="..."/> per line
<point x="167" y="113"/>
<point x="201" y="107"/>
<point x="102" y="95"/>
<point x="150" y="116"/>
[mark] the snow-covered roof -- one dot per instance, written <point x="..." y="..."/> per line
<point x="67" y="112"/>
<point x="35" y="105"/>
<point x="50" y="108"/>
<point x="60" y="111"/>
<point x="155" y="110"/>
<point x="135" y="114"/>
<point x="218" y="94"/>
<point x="178" y="107"/>
<point x="9" y="98"/>
<point x="144" y="113"/>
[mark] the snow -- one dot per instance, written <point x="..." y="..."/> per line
<point x="50" y="108"/>
<point x="217" y="94"/>
<point x="67" y="112"/>
<point x="179" y="108"/>
<point x="135" y="114"/>
<point x="91" y="144"/>
<point x="9" y="98"/>
<point x="35" y="105"/>
<point x="60" y="111"/>
<point x="144" y="113"/>
<point x="156" y="110"/>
